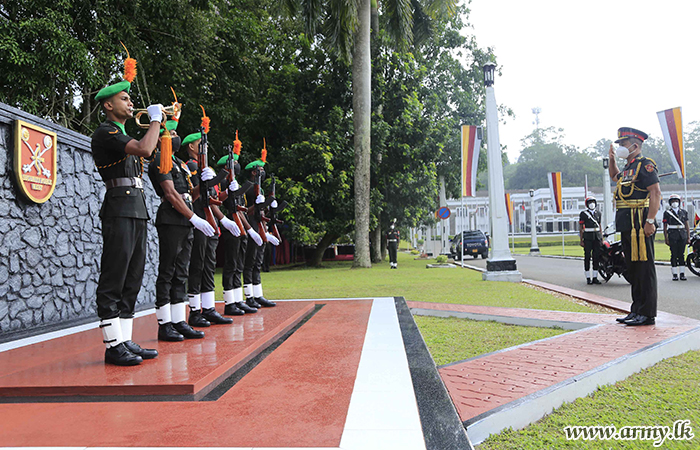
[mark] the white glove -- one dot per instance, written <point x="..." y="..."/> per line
<point x="231" y="226"/>
<point x="259" y="199"/>
<point x="202" y="225"/>
<point x="155" y="113"/>
<point x="233" y="186"/>
<point x="273" y="205"/>
<point x="272" y="239"/>
<point x="208" y="174"/>
<point x="256" y="237"/>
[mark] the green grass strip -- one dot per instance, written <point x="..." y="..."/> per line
<point x="451" y="339"/>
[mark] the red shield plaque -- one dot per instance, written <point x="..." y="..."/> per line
<point x="35" y="161"/>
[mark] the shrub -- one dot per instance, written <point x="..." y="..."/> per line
<point x="441" y="259"/>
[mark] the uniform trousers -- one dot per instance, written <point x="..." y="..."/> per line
<point x="677" y="253"/>
<point x="202" y="263"/>
<point x="175" y="242"/>
<point x="253" y="261"/>
<point x="123" y="262"/>
<point x="393" y="250"/>
<point x="233" y="262"/>
<point x="642" y="276"/>
<point x="591" y="248"/>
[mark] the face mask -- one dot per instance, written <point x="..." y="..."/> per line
<point x="392" y="227"/>
<point x="177" y="141"/>
<point x="622" y="152"/>
<point x="591" y="206"/>
<point x="675" y="205"/>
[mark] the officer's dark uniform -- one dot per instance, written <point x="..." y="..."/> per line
<point x="589" y="221"/>
<point x="677" y="236"/>
<point x="392" y="244"/>
<point x="234" y="257"/>
<point x="203" y="258"/>
<point x="175" y="234"/>
<point x="632" y="201"/>
<point x="124" y="216"/>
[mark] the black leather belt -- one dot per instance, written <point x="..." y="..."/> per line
<point x="124" y="182"/>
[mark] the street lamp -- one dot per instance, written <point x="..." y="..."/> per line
<point x="534" y="249"/>
<point x="501" y="265"/>
<point x="489" y="73"/>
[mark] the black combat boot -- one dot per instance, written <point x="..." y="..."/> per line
<point x="262" y="301"/>
<point x="145" y="353"/>
<point x="197" y="320"/>
<point x="187" y="331"/>
<point x="245" y="308"/>
<point x="167" y="332"/>
<point x="233" y="310"/>
<point x="214" y="317"/>
<point x="119" y="355"/>
<point x="250" y="301"/>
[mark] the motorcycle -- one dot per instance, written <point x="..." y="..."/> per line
<point x="612" y="259"/>
<point x="693" y="259"/>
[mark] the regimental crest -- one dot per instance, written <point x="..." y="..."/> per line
<point x="35" y="161"/>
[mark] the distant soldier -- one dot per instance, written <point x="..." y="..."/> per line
<point x="392" y="244"/>
<point x="677" y="235"/>
<point x="591" y="239"/>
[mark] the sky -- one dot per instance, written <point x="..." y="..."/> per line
<point x="591" y="67"/>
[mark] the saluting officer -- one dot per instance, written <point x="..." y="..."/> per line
<point x="676" y="234"/>
<point x="119" y="159"/>
<point x="637" y="198"/>
<point x="174" y="223"/>
<point x="591" y="239"/>
<point x="392" y="244"/>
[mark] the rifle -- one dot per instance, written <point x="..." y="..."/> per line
<point x="230" y="168"/>
<point x="204" y="193"/>
<point x="273" y="221"/>
<point x="259" y="208"/>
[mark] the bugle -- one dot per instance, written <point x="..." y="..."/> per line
<point x="169" y="111"/>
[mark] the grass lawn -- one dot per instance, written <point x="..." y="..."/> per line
<point x="573" y="248"/>
<point x="659" y="395"/>
<point x="411" y="280"/>
<point x="451" y="339"/>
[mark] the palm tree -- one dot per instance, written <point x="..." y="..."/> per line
<point x="344" y="26"/>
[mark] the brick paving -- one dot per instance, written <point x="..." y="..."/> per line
<point x="481" y="384"/>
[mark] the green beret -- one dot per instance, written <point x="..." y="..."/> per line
<point x="256" y="163"/>
<point x="170" y="125"/>
<point x="114" y="89"/>
<point x="224" y="159"/>
<point x="191" y="138"/>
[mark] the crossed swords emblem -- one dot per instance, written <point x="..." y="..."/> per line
<point x="37" y="157"/>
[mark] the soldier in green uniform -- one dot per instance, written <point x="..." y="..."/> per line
<point x="677" y="235"/>
<point x="637" y="198"/>
<point x="591" y="238"/>
<point x="174" y="223"/>
<point x="200" y="286"/>
<point x="119" y="160"/>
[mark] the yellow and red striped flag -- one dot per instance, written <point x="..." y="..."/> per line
<point x="509" y="208"/>
<point x="471" y="145"/>
<point x="554" y="179"/>
<point x="672" y="129"/>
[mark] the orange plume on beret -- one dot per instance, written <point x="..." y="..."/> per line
<point x="129" y="66"/>
<point x="205" y="120"/>
<point x="263" y="153"/>
<point x="237" y="145"/>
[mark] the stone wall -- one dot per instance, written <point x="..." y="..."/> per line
<point x="50" y="253"/>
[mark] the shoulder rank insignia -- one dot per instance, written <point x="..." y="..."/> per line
<point x="113" y="132"/>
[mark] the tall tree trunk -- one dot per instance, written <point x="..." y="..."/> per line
<point x="378" y="244"/>
<point x="362" y="110"/>
<point x="317" y="255"/>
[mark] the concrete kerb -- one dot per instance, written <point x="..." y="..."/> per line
<point x="527" y="410"/>
<point x="521" y="321"/>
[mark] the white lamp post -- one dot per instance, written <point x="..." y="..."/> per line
<point x="500" y="266"/>
<point x="534" y="249"/>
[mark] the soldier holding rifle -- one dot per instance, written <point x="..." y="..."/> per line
<point x="637" y="198"/>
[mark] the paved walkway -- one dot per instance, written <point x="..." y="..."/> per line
<point x="501" y="383"/>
